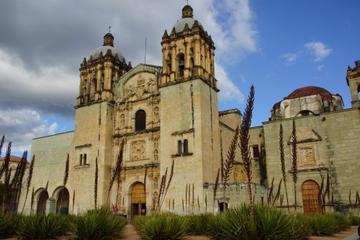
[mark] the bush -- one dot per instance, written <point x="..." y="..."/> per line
<point x="42" y="226"/>
<point x="200" y="224"/>
<point x="355" y="220"/>
<point x="164" y="226"/>
<point x="275" y="224"/>
<point x="98" y="224"/>
<point x="8" y="225"/>
<point x="325" y="224"/>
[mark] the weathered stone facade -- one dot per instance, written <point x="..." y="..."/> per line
<point x="169" y="114"/>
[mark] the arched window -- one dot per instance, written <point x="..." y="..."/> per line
<point x="358" y="91"/>
<point x="140" y="120"/>
<point x="181" y="64"/>
<point x="305" y="113"/>
<point x="186" y="147"/>
<point x="84" y="159"/>
<point x="179" y="147"/>
<point x="81" y="159"/>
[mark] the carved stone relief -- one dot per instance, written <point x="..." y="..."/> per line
<point x="306" y="156"/>
<point x="137" y="150"/>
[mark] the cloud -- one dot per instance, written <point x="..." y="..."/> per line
<point x="319" y="50"/>
<point x="289" y="57"/>
<point x="49" y="90"/>
<point x="22" y="125"/>
<point x="228" y="90"/>
<point x="45" y="41"/>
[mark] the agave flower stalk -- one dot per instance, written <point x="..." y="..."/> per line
<point x="282" y="161"/>
<point x="28" y="182"/>
<point x="244" y="145"/>
<point x="96" y="182"/>
<point x="294" y="161"/>
<point x="116" y="172"/>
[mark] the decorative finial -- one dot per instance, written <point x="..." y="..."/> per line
<point x="187" y="11"/>
<point x="187" y="2"/>
<point x="109" y="29"/>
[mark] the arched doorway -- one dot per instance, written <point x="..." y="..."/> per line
<point x="41" y="205"/>
<point x="62" y="202"/>
<point x="138" y="199"/>
<point x="311" y="197"/>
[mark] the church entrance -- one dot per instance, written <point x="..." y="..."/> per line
<point x="62" y="203"/>
<point x="138" y="199"/>
<point x="41" y="206"/>
<point x="311" y="197"/>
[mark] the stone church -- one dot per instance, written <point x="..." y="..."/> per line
<point x="168" y="115"/>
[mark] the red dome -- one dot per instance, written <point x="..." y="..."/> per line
<point x="307" y="91"/>
<point x="310" y="90"/>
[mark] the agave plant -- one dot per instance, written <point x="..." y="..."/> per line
<point x="98" y="224"/>
<point x="161" y="226"/>
<point x="8" y="225"/>
<point x="43" y="226"/>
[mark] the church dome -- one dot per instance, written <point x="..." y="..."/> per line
<point x="309" y="91"/>
<point x="104" y="49"/>
<point x="187" y="18"/>
<point x="108" y="45"/>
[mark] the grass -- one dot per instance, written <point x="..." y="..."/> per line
<point x="8" y="225"/>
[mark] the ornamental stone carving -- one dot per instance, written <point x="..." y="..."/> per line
<point x="137" y="150"/>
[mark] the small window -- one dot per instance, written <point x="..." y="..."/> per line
<point x="85" y="160"/>
<point x="181" y="64"/>
<point x="256" y="152"/>
<point x="186" y="147"/>
<point x="140" y="120"/>
<point x="81" y="159"/>
<point x="179" y="147"/>
<point x="223" y="206"/>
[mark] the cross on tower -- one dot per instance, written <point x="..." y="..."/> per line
<point x="187" y="2"/>
<point x="109" y="29"/>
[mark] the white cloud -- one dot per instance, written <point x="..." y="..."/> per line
<point x="50" y="89"/>
<point x="228" y="90"/>
<point x="22" y="125"/>
<point x="289" y="57"/>
<point x="319" y="50"/>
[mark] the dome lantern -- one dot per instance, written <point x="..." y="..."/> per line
<point x="187" y="12"/>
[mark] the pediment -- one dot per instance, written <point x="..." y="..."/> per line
<point x="305" y="136"/>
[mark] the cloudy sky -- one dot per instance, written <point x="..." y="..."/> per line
<point x="276" y="45"/>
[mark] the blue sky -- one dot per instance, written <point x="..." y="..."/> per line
<point x="276" y="45"/>
<point x="285" y="27"/>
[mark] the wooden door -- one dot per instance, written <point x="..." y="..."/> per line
<point x="138" y="199"/>
<point x="311" y="197"/>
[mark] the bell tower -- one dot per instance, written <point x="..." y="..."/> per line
<point x="353" y="81"/>
<point x="188" y="52"/>
<point x="99" y="72"/>
<point x="189" y="117"/>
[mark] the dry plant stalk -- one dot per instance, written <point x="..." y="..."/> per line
<point x="350" y="202"/>
<point x="216" y="186"/>
<point x="270" y="195"/>
<point x="206" y="203"/>
<point x="66" y="171"/>
<point x="118" y="166"/>
<point x="96" y="182"/>
<point x="1" y="146"/>
<point x="230" y="159"/>
<point x="278" y="192"/>
<point x="7" y="172"/>
<point x="282" y="161"/>
<point x="164" y="186"/>
<point x="244" y="145"/>
<point x="73" y="200"/>
<point x="294" y="161"/>
<point x="32" y="199"/>
<point x="28" y="182"/>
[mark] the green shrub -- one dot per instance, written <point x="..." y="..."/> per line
<point x="275" y="224"/>
<point x="98" y="224"/>
<point x="355" y="220"/>
<point x="325" y="224"/>
<point x="8" y="225"/>
<point x="200" y="224"/>
<point x="164" y="226"/>
<point x="234" y="224"/>
<point x="43" y="226"/>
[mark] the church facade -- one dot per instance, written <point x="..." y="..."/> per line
<point x="165" y="117"/>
